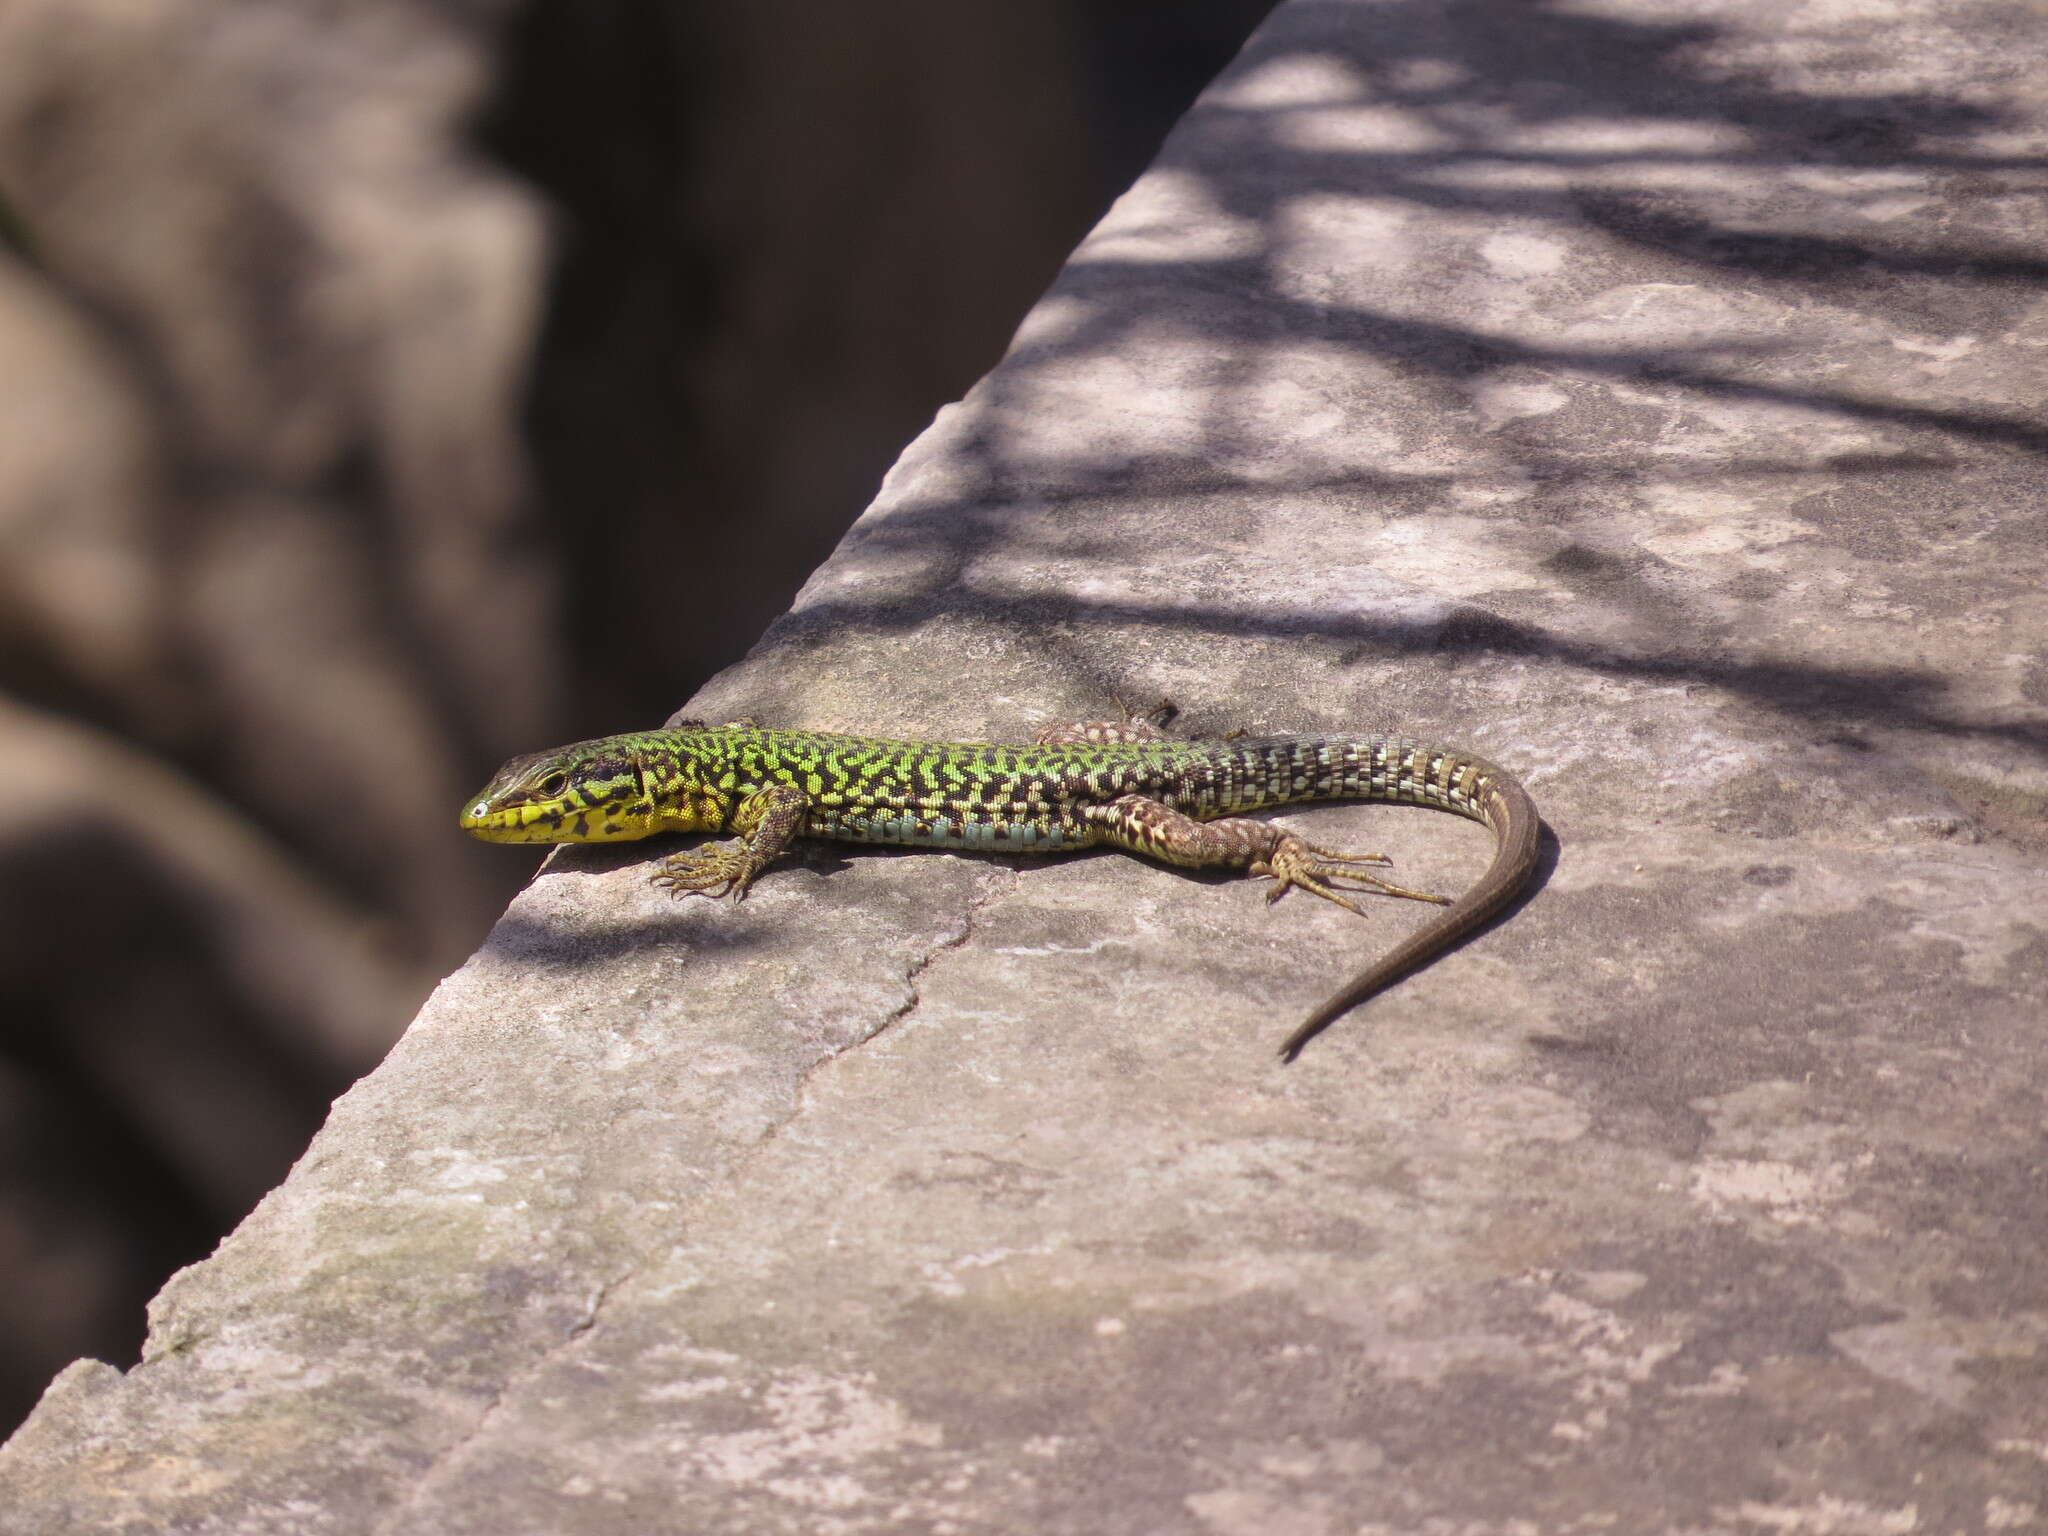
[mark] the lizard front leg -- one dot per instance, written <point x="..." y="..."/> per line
<point x="767" y="821"/>
<point x="1237" y="842"/>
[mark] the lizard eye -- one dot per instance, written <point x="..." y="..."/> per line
<point x="551" y="786"/>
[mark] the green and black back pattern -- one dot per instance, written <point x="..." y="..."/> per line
<point x="995" y="798"/>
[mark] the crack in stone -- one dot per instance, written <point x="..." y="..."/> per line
<point x="993" y="884"/>
<point x="577" y="1331"/>
<point x="991" y="891"/>
<point x="914" y="973"/>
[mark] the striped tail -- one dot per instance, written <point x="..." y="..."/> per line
<point x="1407" y="773"/>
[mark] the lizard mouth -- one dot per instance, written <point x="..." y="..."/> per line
<point x="554" y="821"/>
<point x="513" y="823"/>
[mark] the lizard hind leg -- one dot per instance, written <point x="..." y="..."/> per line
<point x="1136" y="725"/>
<point x="1325" y="872"/>
<point x="1238" y="842"/>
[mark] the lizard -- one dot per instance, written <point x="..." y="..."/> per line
<point x="1126" y="785"/>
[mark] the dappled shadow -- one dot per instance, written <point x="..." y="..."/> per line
<point x="1899" y="695"/>
<point x="1670" y="156"/>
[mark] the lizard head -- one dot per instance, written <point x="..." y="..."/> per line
<point x="599" y="791"/>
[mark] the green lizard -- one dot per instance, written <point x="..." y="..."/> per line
<point x="1121" y="784"/>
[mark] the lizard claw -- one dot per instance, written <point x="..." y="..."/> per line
<point x="1329" y="874"/>
<point x="717" y="870"/>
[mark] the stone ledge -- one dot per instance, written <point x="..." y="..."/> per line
<point x="1644" y="396"/>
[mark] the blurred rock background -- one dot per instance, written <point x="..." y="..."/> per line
<point x="385" y="389"/>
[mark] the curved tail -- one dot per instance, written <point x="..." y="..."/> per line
<point x="1505" y="807"/>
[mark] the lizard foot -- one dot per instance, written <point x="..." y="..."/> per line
<point x="716" y="869"/>
<point x="1136" y="725"/>
<point x="1329" y="874"/>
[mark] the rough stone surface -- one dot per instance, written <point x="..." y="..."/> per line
<point x="1643" y="394"/>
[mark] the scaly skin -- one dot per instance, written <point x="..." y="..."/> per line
<point x="1077" y="787"/>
